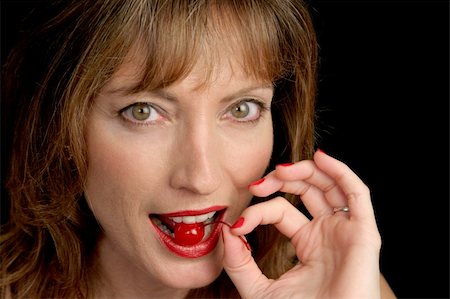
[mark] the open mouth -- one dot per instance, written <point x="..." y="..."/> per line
<point x="193" y="232"/>
<point x="186" y="230"/>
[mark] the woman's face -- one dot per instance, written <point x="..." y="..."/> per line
<point x="164" y="163"/>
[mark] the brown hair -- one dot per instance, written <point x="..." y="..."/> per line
<point x="50" y="81"/>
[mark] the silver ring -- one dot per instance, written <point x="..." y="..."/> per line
<point x="341" y="209"/>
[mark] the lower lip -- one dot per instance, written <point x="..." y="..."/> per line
<point x="195" y="251"/>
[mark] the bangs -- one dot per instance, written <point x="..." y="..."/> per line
<point x="210" y="34"/>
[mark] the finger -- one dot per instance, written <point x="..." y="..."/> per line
<point x="241" y="267"/>
<point x="266" y="186"/>
<point x="354" y="189"/>
<point x="308" y="172"/>
<point x="311" y="196"/>
<point x="278" y="211"/>
<point x="317" y="190"/>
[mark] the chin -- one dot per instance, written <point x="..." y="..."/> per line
<point x="196" y="273"/>
<point x="193" y="279"/>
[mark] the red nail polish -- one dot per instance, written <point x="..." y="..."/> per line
<point x="285" y="164"/>
<point x="257" y="182"/>
<point x="321" y="151"/>
<point x="238" y="223"/>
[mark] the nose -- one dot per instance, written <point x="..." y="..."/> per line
<point x="197" y="166"/>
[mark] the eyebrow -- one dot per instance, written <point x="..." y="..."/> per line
<point x="131" y="88"/>
<point x="173" y="98"/>
<point x="163" y="93"/>
<point x="245" y="90"/>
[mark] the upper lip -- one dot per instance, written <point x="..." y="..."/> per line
<point x="193" y="212"/>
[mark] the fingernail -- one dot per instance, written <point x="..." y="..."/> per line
<point x="238" y="223"/>
<point x="257" y="182"/>
<point x="285" y="164"/>
<point x="321" y="151"/>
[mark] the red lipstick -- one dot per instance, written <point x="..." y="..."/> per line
<point x="194" y="212"/>
<point x="184" y="236"/>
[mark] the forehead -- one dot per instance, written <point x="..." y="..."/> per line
<point x="131" y="74"/>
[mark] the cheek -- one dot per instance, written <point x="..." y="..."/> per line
<point x="249" y="157"/>
<point x="104" y="184"/>
<point x="120" y="162"/>
<point x="115" y="178"/>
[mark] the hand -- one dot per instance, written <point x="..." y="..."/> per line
<point x="338" y="252"/>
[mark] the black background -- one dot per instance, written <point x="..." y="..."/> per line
<point x="383" y="109"/>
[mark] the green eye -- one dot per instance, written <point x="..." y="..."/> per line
<point x="247" y="110"/>
<point x="241" y="110"/>
<point x="141" y="111"/>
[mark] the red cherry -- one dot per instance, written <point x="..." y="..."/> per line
<point x="189" y="234"/>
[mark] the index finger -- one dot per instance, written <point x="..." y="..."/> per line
<point x="278" y="211"/>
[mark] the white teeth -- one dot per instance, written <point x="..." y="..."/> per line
<point x="204" y="217"/>
<point x="208" y="229"/>
<point x="163" y="228"/>
<point x="189" y="219"/>
<point x="193" y="219"/>
<point x="177" y="219"/>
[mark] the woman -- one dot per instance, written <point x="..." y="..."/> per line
<point x="142" y="131"/>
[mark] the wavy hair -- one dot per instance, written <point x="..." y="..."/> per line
<point x="51" y="78"/>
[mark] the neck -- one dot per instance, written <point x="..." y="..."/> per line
<point x="119" y="280"/>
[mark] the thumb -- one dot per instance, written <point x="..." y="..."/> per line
<point x="241" y="267"/>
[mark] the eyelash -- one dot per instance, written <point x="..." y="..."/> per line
<point x="160" y="112"/>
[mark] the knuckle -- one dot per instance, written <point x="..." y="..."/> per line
<point x="361" y="191"/>
<point x="310" y="169"/>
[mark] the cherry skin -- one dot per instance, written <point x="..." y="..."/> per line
<point x="189" y="234"/>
